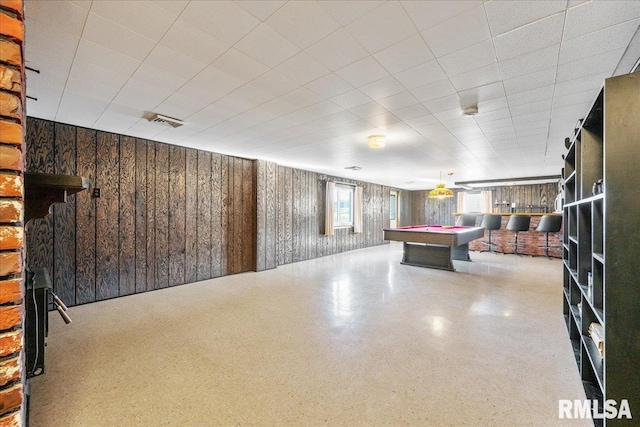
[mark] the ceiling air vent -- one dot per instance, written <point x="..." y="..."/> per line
<point x="353" y="168"/>
<point x="165" y="120"/>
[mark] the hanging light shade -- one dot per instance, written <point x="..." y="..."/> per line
<point x="441" y="192"/>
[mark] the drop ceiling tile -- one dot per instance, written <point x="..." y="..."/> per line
<point x="341" y="117"/>
<point x="261" y="9"/>
<point x="383" y="27"/>
<point x="274" y="83"/>
<point x="81" y="109"/>
<point x="303" y="23"/>
<point x="329" y="86"/>
<point x="532" y="117"/>
<point x="434" y="90"/>
<point x="82" y="86"/>
<point x="426" y="14"/>
<point x="302" y="68"/>
<point x="540" y="124"/>
<point x="85" y="4"/>
<point x="108" y="59"/>
<point x="447" y="115"/>
<point x="411" y="112"/>
<point x="476" y="78"/>
<point x="531" y="107"/>
<point x="52" y="13"/>
<point x="598" y="42"/>
<point x="421" y="75"/>
<point x="457" y="33"/>
<point x="493" y="104"/>
<point x="369" y="109"/>
<point x="174" y="7"/>
<point x="193" y="42"/>
<point x="597" y="15"/>
<point x="592" y="82"/>
<point x="157" y="76"/>
<point x="406" y="54"/>
<point x="508" y="15"/>
<point x="248" y="95"/>
<point x="141" y="17"/>
<point x="179" y="105"/>
<point x="239" y="65"/>
<point x="530" y="81"/>
<point x="302" y="97"/>
<point x="337" y="50"/>
<point x="443" y="104"/>
<point x="422" y="121"/>
<point x="538" y="94"/>
<point x="165" y="58"/>
<point x="398" y="101"/>
<point x="485" y="118"/>
<point x="117" y="38"/>
<point x="530" y="38"/>
<point x="384" y="119"/>
<point x="602" y="63"/>
<point x="118" y="118"/>
<point x="266" y="46"/>
<point x="351" y="99"/>
<point x="324" y="108"/>
<point x="225" y="21"/>
<point x="363" y="72"/>
<point x="470" y="58"/>
<point x="382" y="88"/>
<point x="530" y="62"/>
<point x="482" y="93"/>
<point x="346" y="12"/>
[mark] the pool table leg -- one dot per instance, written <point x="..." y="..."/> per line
<point x="430" y="256"/>
<point x="461" y="252"/>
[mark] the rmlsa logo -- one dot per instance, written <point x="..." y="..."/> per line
<point x="592" y="410"/>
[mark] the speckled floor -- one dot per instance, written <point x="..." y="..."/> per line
<point x="347" y="340"/>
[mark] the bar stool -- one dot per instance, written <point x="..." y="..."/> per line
<point x="549" y="224"/>
<point x="491" y="222"/>
<point x="467" y="220"/>
<point x="518" y="223"/>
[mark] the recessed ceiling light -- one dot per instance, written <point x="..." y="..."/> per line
<point x="376" y="141"/>
<point x="470" y="111"/>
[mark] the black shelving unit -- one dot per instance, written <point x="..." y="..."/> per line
<point x="601" y="248"/>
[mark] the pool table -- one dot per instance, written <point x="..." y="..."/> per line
<point x="434" y="246"/>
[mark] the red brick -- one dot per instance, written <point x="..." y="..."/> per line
<point x="10" y="106"/>
<point x="10" y="133"/>
<point x="10" y="398"/>
<point x="10" y="290"/>
<point x="10" y="211"/>
<point x="11" y="420"/>
<point x="10" y="263"/>
<point x="10" y="185"/>
<point x="12" y="27"/>
<point x="10" y="317"/>
<point x="10" y="158"/>
<point x="10" y="52"/>
<point x="10" y="370"/>
<point x="15" y="6"/>
<point x="10" y="342"/>
<point x="10" y="79"/>
<point x="11" y="237"/>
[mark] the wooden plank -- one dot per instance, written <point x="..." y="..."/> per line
<point x="224" y="215"/>
<point x="216" y="215"/>
<point x="204" y="216"/>
<point x="107" y="180"/>
<point x="141" y="215"/>
<point x="151" y="216"/>
<point x="272" y="216"/>
<point x="288" y="211"/>
<point x="127" y="237"/>
<point x="162" y="217"/>
<point x="312" y="222"/>
<point x="296" y="230"/>
<point x="246" y="235"/>
<point x="191" y="217"/>
<point x="64" y="218"/>
<point x="177" y="215"/>
<point x="40" y="158"/>
<point x="281" y="215"/>
<point x="261" y="215"/>
<point x="86" y="218"/>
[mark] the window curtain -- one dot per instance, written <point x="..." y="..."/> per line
<point x="486" y="201"/>
<point x="357" y="210"/>
<point x="328" y="209"/>
<point x="460" y="201"/>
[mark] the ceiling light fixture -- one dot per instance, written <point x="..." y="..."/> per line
<point x="165" y="120"/>
<point x="470" y="111"/>
<point x="441" y="191"/>
<point x="376" y="141"/>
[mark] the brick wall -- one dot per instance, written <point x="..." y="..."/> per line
<point x="12" y="90"/>
<point x="531" y="240"/>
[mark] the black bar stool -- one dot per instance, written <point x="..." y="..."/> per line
<point x="467" y="220"/>
<point x="549" y="224"/>
<point x="518" y="223"/>
<point x="491" y="222"/>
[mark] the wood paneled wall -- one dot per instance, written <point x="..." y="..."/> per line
<point x="167" y="215"/>
<point x="417" y="208"/>
<point x="299" y="200"/>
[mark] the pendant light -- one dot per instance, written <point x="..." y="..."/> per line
<point x="441" y="192"/>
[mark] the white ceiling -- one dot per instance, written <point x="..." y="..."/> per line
<point x="304" y="83"/>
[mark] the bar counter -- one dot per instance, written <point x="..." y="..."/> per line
<point x="504" y="239"/>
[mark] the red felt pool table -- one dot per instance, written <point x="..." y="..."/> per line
<point x="434" y="246"/>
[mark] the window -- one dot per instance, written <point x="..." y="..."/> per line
<point x="392" y="207"/>
<point x="343" y="206"/>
